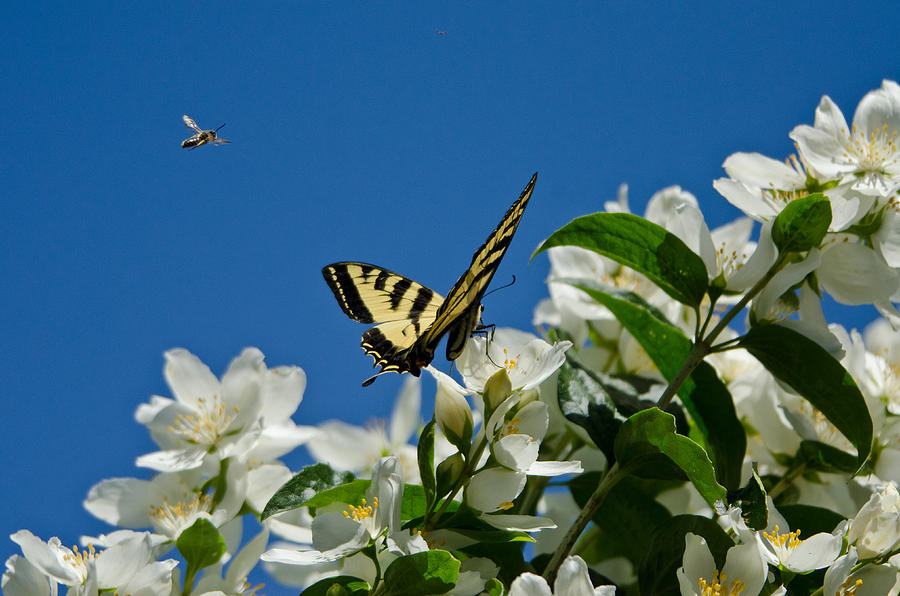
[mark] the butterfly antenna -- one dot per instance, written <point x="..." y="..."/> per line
<point x="503" y="287"/>
<point x="371" y="379"/>
<point x="223" y="124"/>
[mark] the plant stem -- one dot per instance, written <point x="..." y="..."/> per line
<point x="702" y="348"/>
<point x="463" y="477"/>
<point x="612" y="477"/>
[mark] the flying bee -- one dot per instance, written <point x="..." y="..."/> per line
<point x="202" y="137"/>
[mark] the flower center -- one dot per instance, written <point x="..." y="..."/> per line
<point x="172" y="518"/>
<point x="849" y="587"/>
<point x="720" y="586"/>
<point x="509" y="362"/>
<point x="207" y="425"/>
<point x="363" y="512"/>
<point x="79" y="559"/>
<point x="874" y="151"/>
<point x="783" y="543"/>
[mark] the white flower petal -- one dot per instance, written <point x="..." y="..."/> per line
<point x="521" y="523"/>
<point x="172" y="460"/>
<point x="554" y="468"/>
<point x="189" y="378"/>
<point x="529" y="584"/>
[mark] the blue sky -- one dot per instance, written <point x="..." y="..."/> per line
<point x="359" y="132"/>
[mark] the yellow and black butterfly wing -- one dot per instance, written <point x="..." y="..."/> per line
<point x="461" y="309"/>
<point x="411" y="319"/>
<point x="403" y="309"/>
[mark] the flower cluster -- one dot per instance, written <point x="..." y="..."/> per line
<point x="645" y="444"/>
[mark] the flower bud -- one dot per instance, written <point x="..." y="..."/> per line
<point x="454" y="417"/>
<point x="448" y="472"/>
<point x="496" y="390"/>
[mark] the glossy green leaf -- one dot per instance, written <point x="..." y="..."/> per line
<point x="641" y="245"/>
<point x="652" y="432"/>
<point x="422" y="574"/>
<point x="802" y="224"/>
<point x="584" y="401"/>
<point x="810" y="519"/>
<point x="304" y="485"/>
<point x="201" y="545"/>
<point x="344" y="585"/>
<point x="813" y="373"/>
<point x="703" y="394"/>
<point x="350" y="493"/>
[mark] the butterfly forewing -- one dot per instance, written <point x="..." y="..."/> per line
<point x="466" y="293"/>
<point x="371" y="294"/>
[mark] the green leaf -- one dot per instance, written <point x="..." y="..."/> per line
<point x="628" y="516"/>
<point x="585" y="402"/>
<point x="641" y="245"/>
<point x="703" y="394"/>
<point x="813" y="373"/>
<point x="303" y="486"/>
<point x="802" y="224"/>
<point x="425" y="457"/>
<point x="652" y="432"/>
<point x="821" y="457"/>
<point x="352" y="493"/>
<point x="665" y="553"/>
<point x="493" y="587"/>
<point x="341" y="585"/>
<point x="809" y="519"/>
<point x="494" y="536"/>
<point x="412" y="504"/>
<point x="201" y="545"/>
<point x="421" y="574"/>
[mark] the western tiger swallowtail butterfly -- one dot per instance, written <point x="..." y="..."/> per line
<point x="410" y="318"/>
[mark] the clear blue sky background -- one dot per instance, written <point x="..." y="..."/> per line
<point x="358" y="132"/>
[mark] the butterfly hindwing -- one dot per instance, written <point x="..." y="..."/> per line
<point x="409" y="318"/>
<point x="402" y="308"/>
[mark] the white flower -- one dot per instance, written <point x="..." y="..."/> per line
<point x="493" y="489"/>
<point x="340" y="534"/>
<point x="876" y="528"/>
<point x="246" y="415"/>
<point x="784" y="549"/>
<point x="127" y="567"/>
<point x="870" y="580"/>
<point x="571" y="580"/>
<point x="515" y="432"/>
<point x="527" y="359"/>
<point x="168" y="503"/>
<point x="744" y="571"/>
<point x="760" y="186"/>
<point x="22" y="578"/>
<point x="351" y="448"/>
<point x="866" y="154"/>
<point x="854" y="274"/>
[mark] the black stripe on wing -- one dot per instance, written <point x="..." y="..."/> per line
<point x="470" y="287"/>
<point x="371" y="294"/>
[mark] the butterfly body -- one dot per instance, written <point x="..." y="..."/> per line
<point x="410" y="319"/>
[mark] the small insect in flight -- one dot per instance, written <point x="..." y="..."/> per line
<point x="202" y="137"/>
